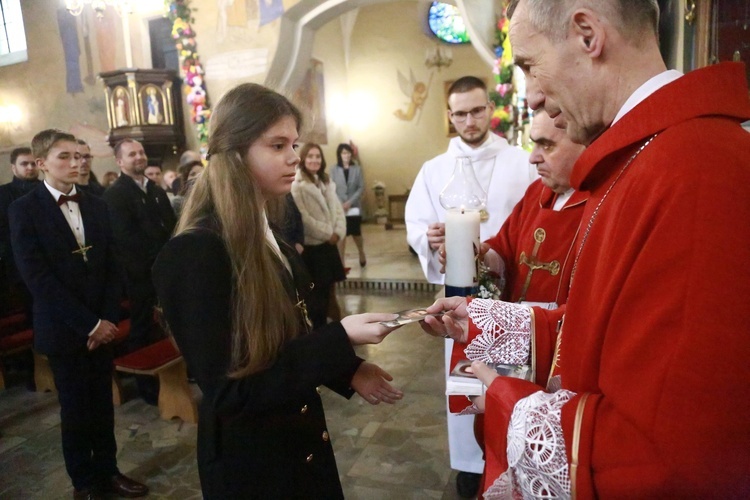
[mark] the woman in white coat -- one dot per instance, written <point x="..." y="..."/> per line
<point x="324" y="224"/>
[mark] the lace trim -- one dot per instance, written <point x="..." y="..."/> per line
<point x="506" y="332"/>
<point x="537" y="463"/>
<point x="503" y="488"/>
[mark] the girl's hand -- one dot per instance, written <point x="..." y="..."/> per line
<point x="371" y="383"/>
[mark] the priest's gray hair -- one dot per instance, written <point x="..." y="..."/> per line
<point x="632" y="18"/>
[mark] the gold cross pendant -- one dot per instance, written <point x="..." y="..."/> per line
<point x="534" y="264"/>
<point x="303" y="308"/>
<point x="83" y="250"/>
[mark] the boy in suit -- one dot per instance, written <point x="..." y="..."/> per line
<point x="63" y="247"/>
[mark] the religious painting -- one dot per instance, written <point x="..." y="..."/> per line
<point x="270" y="10"/>
<point x="310" y="98"/>
<point x="233" y="14"/>
<point x="152" y="105"/>
<point x="416" y="91"/>
<point x="121" y="106"/>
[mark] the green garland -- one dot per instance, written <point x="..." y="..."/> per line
<point x="180" y="13"/>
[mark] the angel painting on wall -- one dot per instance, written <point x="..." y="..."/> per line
<point x="416" y="91"/>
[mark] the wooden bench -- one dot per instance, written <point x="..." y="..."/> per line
<point x="43" y="373"/>
<point x="14" y="338"/>
<point x="163" y="360"/>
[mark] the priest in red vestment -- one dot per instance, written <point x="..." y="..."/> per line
<point x="533" y="248"/>
<point x="649" y="395"/>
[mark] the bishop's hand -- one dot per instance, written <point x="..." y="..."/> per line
<point x="452" y="323"/>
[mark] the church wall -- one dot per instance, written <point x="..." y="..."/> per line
<point x="38" y="86"/>
<point x="388" y="39"/>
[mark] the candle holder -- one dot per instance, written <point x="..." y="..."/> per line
<point x="463" y="200"/>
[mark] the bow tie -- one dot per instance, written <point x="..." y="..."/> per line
<point x="65" y="198"/>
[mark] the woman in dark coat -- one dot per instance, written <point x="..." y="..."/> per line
<point x="233" y="296"/>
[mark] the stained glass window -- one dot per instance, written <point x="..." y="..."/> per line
<point x="446" y="22"/>
<point x="12" y="36"/>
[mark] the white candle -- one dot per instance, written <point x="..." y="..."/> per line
<point x="461" y="247"/>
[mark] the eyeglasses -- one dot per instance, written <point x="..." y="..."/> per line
<point x="86" y="157"/>
<point x="477" y="113"/>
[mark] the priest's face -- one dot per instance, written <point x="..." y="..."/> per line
<point x="470" y="113"/>
<point x="561" y="78"/>
<point x="554" y="154"/>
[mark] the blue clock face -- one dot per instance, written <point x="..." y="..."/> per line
<point x="446" y="22"/>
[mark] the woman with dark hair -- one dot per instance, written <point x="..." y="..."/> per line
<point x="349" y="187"/>
<point x="324" y="226"/>
<point x="187" y="174"/>
<point x="233" y="296"/>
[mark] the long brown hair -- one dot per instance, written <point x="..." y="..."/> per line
<point x="263" y="316"/>
<point x="322" y="175"/>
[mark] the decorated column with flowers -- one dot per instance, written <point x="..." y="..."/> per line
<point x="179" y="12"/>
<point x="511" y="111"/>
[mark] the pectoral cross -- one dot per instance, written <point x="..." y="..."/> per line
<point x="534" y="264"/>
<point x="83" y="250"/>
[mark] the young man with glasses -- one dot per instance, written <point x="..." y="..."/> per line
<point x="86" y="179"/>
<point x="504" y="172"/>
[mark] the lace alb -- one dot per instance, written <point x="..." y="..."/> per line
<point x="537" y="463"/>
<point x="506" y="332"/>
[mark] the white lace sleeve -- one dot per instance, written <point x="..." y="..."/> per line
<point x="506" y="332"/>
<point x="537" y="463"/>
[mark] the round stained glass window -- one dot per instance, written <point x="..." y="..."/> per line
<point x="446" y="22"/>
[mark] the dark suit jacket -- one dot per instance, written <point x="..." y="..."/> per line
<point x="142" y="223"/>
<point x="8" y="194"/>
<point x="255" y="434"/>
<point x="70" y="295"/>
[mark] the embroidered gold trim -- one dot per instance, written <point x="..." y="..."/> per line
<point x="533" y="345"/>
<point x="576" y="443"/>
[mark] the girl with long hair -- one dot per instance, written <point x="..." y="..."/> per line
<point x="233" y="296"/>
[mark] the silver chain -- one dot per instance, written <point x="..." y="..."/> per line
<point x="596" y="210"/>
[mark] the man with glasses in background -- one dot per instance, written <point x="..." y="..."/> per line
<point x="86" y="178"/>
<point x="504" y="172"/>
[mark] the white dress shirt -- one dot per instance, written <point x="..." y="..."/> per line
<point x="72" y="213"/>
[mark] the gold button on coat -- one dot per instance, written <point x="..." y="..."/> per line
<point x="325" y="435"/>
<point x="309" y="458"/>
<point x="303" y="410"/>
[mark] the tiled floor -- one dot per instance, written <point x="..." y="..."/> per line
<point x="383" y="452"/>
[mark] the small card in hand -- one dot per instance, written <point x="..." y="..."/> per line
<point x="409" y="316"/>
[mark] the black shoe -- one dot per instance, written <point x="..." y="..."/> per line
<point x="467" y="484"/>
<point x="124" y="487"/>
<point x="86" y="494"/>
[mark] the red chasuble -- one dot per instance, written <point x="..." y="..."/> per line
<point x="533" y="236"/>
<point x="655" y="343"/>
